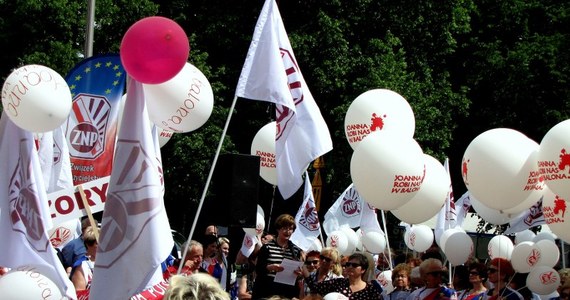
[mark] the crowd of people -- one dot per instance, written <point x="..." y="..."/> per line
<point x="209" y="273"/>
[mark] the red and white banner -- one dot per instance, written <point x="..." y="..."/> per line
<point x="307" y="220"/>
<point x="24" y="213"/>
<point x="135" y="234"/>
<point x="271" y="73"/>
<point x="66" y="204"/>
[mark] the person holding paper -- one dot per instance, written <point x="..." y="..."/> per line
<point x="270" y="259"/>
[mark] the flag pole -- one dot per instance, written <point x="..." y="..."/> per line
<point x="218" y="150"/>
<point x="387" y="239"/>
<point x="89" y="29"/>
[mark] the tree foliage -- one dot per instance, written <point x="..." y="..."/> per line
<point x="463" y="66"/>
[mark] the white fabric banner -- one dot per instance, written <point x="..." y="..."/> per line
<point x="530" y="217"/>
<point x="271" y="73"/>
<point x="346" y="210"/>
<point x="135" y="234"/>
<point x="25" y="213"/>
<point x="307" y="220"/>
<point x="447" y="216"/>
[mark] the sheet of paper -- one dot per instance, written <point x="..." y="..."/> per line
<point x="287" y="276"/>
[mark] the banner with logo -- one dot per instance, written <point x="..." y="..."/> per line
<point x="97" y="85"/>
<point x="307" y="220"/>
<point x="347" y="209"/>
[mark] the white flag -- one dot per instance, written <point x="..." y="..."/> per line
<point x="530" y="217"/>
<point x="135" y="234"/>
<point x="464" y="204"/>
<point x="447" y="216"/>
<point x="248" y="244"/>
<point x="271" y="73"/>
<point x="369" y="221"/>
<point x="307" y="220"/>
<point x="346" y="210"/>
<point x="24" y="206"/>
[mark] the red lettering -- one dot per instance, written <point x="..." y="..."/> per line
<point x="58" y="205"/>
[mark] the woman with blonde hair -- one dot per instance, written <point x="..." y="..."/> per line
<point x="198" y="286"/>
<point x="329" y="267"/>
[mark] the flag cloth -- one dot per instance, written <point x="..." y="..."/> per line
<point x="54" y="160"/>
<point x="447" y="216"/>
<point x="307" y="220"/>
<point x="248" y="244"/>
<point x="135" y="234"/>
<point x="97" y="84"/>
<point x="24" y="206"/>
<point x="346" y="210"/>
<point x="369" y="221"/>
<point x="530" y="217"/>
<point x="464" y="204"/>
<point x="271" y="73"/>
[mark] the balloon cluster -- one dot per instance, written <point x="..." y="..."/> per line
<point x="346" y="240"/>
<point x="507" y="173"/>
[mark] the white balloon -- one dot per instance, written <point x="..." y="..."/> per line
<point x="458" y="248"/>
<point x="359" y="233"/>
<point x="181" y="104"/>
<point x="500" y="169"/>
<point x="543" y="280"/>
<point x="378" y="110"/>
<point x="526" y="256"/>
<point x="352" y="239"/>
<point x="421" y="237"/>
<point x="446" y="234"/>
<point x="26" y="282"/>
<point x="554" y="158"/>
<point x="524" y="236"/>
<point x="500" y="246"/>
<point x="163" y="136"/>
<point x="374" y="242"/>
<point x="431" y="196"/>
<point x="555" y="215"/>
<point x="544" y="235"/>
<point x="335" y="296"/>
<point x="387" y="169"/>
<point x="490" y="215"/>
<point x="263" y="145"/>
<point x="407" y="238"/>
<point x="315" y="245"/>
<point x="337" y="239"/>
<point x="550" y="252"/>
<point x="36" y="98"/>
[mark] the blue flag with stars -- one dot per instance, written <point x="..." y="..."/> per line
<point x="97" y="85"/>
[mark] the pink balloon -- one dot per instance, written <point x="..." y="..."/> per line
<point x="154" y="50"/>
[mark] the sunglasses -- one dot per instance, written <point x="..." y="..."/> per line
<point x="327" y="259"/>
<point x="311" y="262"/>
<point x="491" y="270"/>
<point x="352" y="265"/>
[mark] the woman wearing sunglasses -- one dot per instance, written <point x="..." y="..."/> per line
<point x="477" y="278"/>
<point x="355" y="285"/>
<point x="328" y="267"/>
<point x="499" y="273"/>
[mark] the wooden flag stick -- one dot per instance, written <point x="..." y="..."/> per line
<point x="94" y="224"/>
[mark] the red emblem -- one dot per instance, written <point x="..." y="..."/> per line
<point x="87" y="125"/>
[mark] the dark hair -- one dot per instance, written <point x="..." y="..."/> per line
<point x="481" y="270"/>
<point x="361" y="258"/>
